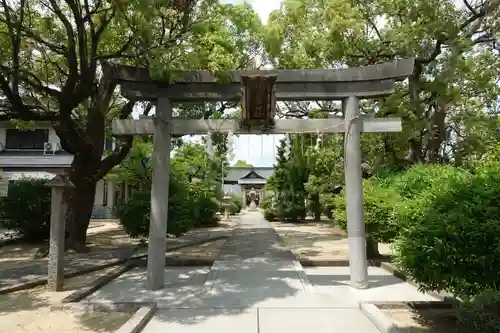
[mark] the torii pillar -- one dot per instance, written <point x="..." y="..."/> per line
<point x="159" y="195"/>
<point x="354" y="194"/>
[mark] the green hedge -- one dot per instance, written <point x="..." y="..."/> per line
<point x="267" y="205"/>
<point x="379" y="212"/>
<point x="236" y="204"/>
<point x="26" y="210"/>
<point x="452" y="233"/>
<point x="190" y="204"/>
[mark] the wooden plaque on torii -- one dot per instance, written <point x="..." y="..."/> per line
<point x="258" y="101"/>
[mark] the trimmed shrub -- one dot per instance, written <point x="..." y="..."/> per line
<point x="204" y="204"/>
<point x="134" y="213"/>
<point x="269" y="208"/>
<point x="452" y="234"/>
<point x="236" y="204"/>
<point x="26" y="210"/>
<point x="379" y="213"/>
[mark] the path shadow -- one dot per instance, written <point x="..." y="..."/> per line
<point x="23" y="301"/>
<point x="189" y="298"/>
<point x="104" y="322"/>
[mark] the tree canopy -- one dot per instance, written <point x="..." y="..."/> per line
<point x="242" y="164"/>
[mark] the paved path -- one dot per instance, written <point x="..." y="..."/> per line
<point x="255" y="286"/>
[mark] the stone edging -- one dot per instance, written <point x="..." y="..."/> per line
<point x="304" y="280"/>
<point x="384" y="324"/>
<point x="83" y="292"/>
<point x="142" y="312"/>
<point x="42" y="281"/>
<point x="378" y="318"/>
<point x="331" y="262"/>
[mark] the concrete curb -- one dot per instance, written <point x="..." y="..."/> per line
<point x="331" y="262"/>
<point x="378" y="318"/>
<point x="179" y="262"/>
<point x="81" y="293"/>
<point x="42" y="281"/>
<point x="304" y="280"/>
<point x="417" y="305"/>
<point x="140" y="318"/>
<point x="211" y="277"/>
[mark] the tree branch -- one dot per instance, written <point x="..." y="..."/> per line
<point x="125" y="145"/>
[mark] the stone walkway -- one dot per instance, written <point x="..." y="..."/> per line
<point x="256" y="286"/>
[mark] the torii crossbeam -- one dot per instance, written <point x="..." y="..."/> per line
<point x="348" y="85"/>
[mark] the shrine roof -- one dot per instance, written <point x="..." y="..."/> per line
<point x="237" y="173"/>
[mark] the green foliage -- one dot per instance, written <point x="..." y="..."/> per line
<point x="379" y="211"/>
<point x="480" y="314"/>
<point x="134" y="214"/>
<point x="26" y="210"/>
<point x="269" y="208"/>
<point x="289" y="179"/>
<point x="454" y="234"/>
<point x="450" y="107"/>
<point x="236" y="204"/>
<point x="421" y="177"/>
<point x="132" y="169"/>
<point x="204" y="203"/>
<point x="241" y="163"/>
<point x="193" y="193"/>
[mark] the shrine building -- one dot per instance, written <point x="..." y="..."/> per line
<point x="241" y="181"/>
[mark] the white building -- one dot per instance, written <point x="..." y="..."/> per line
<point x="241" y="181"/>
<point x="37" y="153"/>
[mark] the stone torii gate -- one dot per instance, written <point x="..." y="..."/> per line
<point x="260" y="90"/>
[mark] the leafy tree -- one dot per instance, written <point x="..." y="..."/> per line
<point x="52" y="69"/>
<point x="192" y="194"/>
<point x="242" y="164"/>
<point x="278" y="181"/>
<point x="288" y="180"/>
<point x="449" y="106"/>
<point x="54" y="59"/>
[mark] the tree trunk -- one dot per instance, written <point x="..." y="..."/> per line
<point x="80" y="200"/>
<point x="316" y="206"/>
<point x="372" y="249"/>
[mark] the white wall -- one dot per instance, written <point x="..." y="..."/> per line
<point x="101" y="211"/>
<point x="99" y="193"/>
<point x="232" y="189"/>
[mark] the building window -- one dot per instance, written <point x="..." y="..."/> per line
<point x="105" y="192"/>
<point x="108" y="144"/>
<point x="29" y="139"/>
